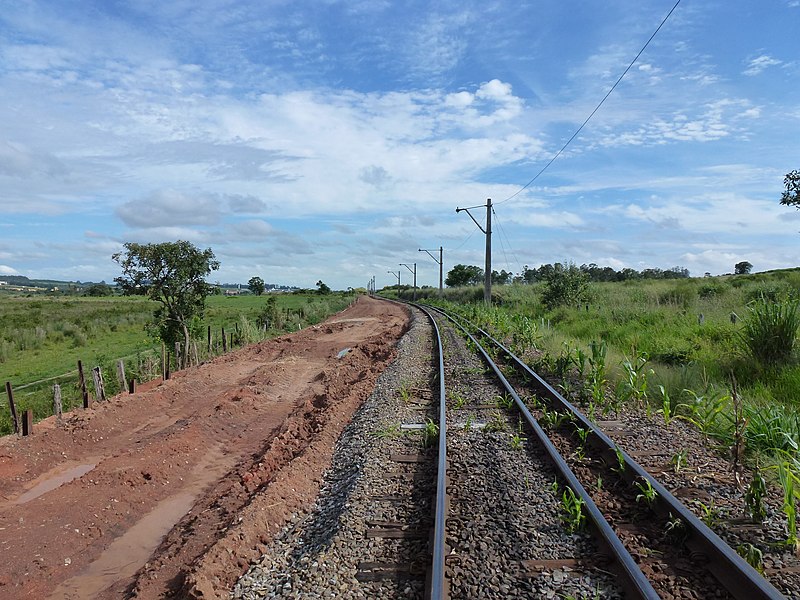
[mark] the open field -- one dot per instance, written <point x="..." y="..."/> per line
<point x="43" y="337"/>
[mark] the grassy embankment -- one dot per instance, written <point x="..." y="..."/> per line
<point x="689" y="331"/>
<point x="43" y="337"/>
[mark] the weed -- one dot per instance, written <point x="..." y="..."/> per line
<point x="554" y="487"/>
<point x="787" y="479"/>
<point x="753" y="556"/>
<point x="709" y="513"/>
<point x="647" y="492"/>
<point x="754" y="497"/>
<point x="599" y="484"/>
<point x="468" y="423"/>
<point x="678" y="460"/>
<point x="405" y="392"/>
<point x="704" y="411"/>
<point x="430" y="434"/>
<point x="583" y="434"/>
<point x="770" y="330"/>
<point x="459" y="401"/>
<point x="497" y="422"/>
<point x="505" y="401"/>
<point x="620" y="468"/>
<point x="675" y="529"/>
<point x="666" y="405"/>
<point x="572" y="511"/>
<point x="636" y="375"/>
<point x="517" y="440"/>
<point x="390" y="431"/>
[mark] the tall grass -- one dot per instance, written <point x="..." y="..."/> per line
<point x="770" y="330"/>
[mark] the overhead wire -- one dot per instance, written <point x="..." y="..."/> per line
<point x="613" y="87"/>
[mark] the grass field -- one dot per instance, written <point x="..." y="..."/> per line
<point x="687" y="335"/>
<point x="42" y="338"/>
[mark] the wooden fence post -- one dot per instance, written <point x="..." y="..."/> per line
<point x="164" y="363"/>
<point x="99" y="391"/>
<point x="178" y="365"/>
<point x="132" y="386"/>
<point x="209" y="341"/>
<point x="231" y="340"/>
<point x="14" y="418"/>
<point x="27" y="422"/>
<point x="224" y="341"/>
<point x="194" y="350"/>
<point x="84" y="391"/>
<point x="57" y="408"/>
<point x="121" y="374"/>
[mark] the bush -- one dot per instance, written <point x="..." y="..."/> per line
<point x="565" y="286"/>
<point x="770" y="330"/>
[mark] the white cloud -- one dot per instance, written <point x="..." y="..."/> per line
<point x="757" y="65"/>
<point x="6" y="270"/>
<point x="168" y="208"/>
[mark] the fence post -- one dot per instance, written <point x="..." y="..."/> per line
<point x="57" y="408"/>
<point x="84" y="391"/>
<point x="97" y="377"/>
<point x="121" y="374"/>
<point x="14" y="418"/>
<point x="164" y="362"/>
<point x="224" y="342"/>
<point x="209" y="341"/>
<point x="178" y="365"/>
<point x="194" y="350"/>
<point x="27" y="422"/>
<point x="132" y="386"/>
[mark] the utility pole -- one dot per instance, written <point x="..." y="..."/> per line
<point x="487" y="275"/>
<point x="439" y="261"/>
<point x="398" y="278"/>
<point x="414" y="271"/>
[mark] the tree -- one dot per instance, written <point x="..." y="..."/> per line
<point x="256" y="285"/>
<point x="791" y="195"/>
<point x="565" y="286"/>
<point x="464" y="275"/>
<point x="173" y="274"/>
<point x="742" y="268"/>
<point x="322" y="288"/>
<point x="501" y="278"/>
<point x="99" y="289"/>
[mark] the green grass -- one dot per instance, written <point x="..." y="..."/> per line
<point x="43" y="337"/>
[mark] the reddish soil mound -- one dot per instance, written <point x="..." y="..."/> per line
<point x="174" y="490"/>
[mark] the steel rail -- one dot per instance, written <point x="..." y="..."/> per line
<point x="634" y="582"/>
<point x="741" y="580"/>
<point x="437" y="588"/>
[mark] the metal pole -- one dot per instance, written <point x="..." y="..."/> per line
<point x="441" y="292"/>
<point x="487" y="281"/>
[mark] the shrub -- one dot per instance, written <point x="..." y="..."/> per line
<point x="565" y="286"/>
<point x="770" y="330"/>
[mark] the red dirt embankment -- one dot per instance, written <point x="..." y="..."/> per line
<point x="174" y="490"/>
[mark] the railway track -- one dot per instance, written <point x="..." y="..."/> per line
<point x="681" y="555"/>
<point x="468" y="476"/>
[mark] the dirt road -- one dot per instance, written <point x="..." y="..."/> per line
<point x="172" y="491"/>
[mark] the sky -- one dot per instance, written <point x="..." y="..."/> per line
<point x="332" y="139"/>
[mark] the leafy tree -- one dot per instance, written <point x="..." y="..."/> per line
<point x="565" y="286"/>
<point x="464" y="275"/>
<point x="742" y="268"/>
<point x="98" y="289"/>
<point x="173" y="274"/>
<point x="791" y="195"/>
<point x="256" y="285"/>
<point x="322" y="288"/>
<point x="501" y="278"/>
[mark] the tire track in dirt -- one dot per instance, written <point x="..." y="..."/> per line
<point x="274" y="410"/>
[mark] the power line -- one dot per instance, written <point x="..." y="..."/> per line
<point x="574" y="135"/>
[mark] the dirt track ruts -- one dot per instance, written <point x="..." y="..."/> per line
<point x="174" y="490"/>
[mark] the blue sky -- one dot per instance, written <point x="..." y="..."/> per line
<point x="332" y="139"/>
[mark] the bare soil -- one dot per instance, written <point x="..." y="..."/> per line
<point x="174" y="490"/>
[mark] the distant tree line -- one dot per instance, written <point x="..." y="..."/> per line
<point x="461" y="275"/>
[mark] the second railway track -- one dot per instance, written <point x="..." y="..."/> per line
<point x="509" y="524"/>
